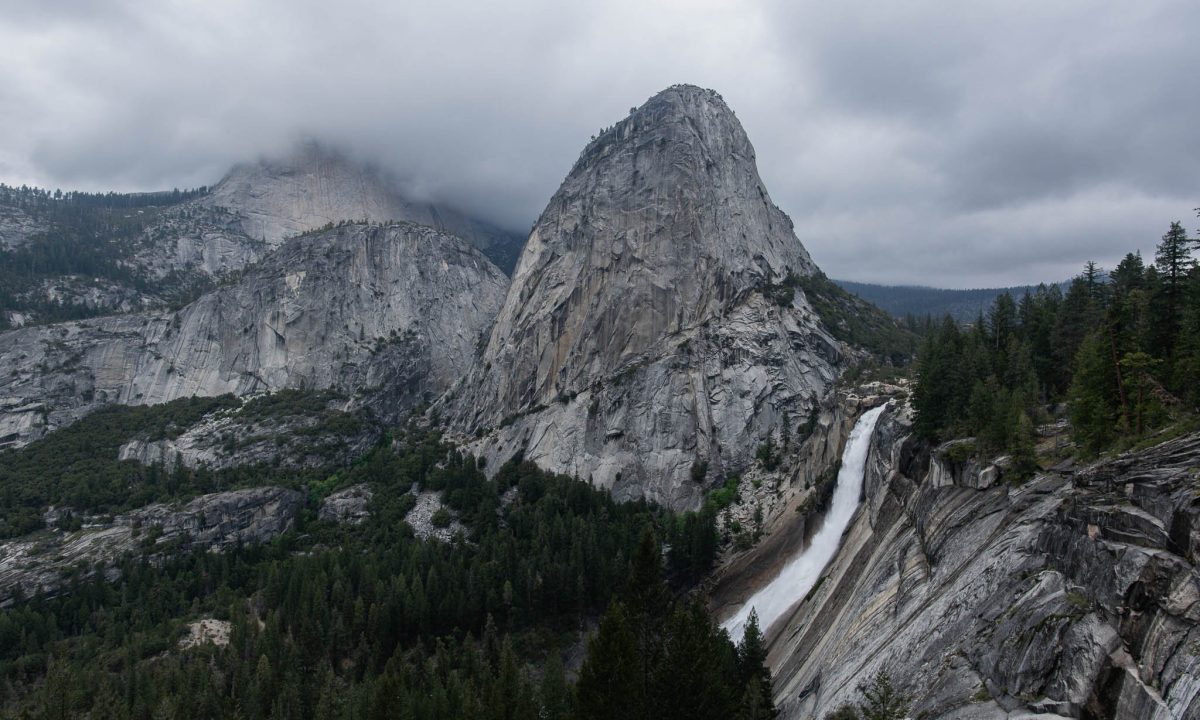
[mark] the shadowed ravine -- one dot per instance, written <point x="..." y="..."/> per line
<point x="800" y="574"/>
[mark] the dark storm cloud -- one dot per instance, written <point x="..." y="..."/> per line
<point x="951" y="144"/>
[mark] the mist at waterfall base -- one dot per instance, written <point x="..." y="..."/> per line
<point x="800" y="574"/>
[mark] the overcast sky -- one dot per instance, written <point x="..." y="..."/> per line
<point x="955" y="144"/>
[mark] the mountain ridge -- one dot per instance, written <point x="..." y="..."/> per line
<point x="920" y="300"/>
<point x="74" y="255"/>
<point x="365" y="309"/>
<point x="646" y="330"/>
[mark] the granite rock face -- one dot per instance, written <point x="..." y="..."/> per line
<point x="215" y="522"/>
<point x="648" y="326"/>
<point x="94" y="294"/>
<point x="1057" y="597"/>
<point x="195" y="242"/>
<point x="386" y="314"/>
<point x="171" y="252"/>
<point x="16" y="227"/>
<point x="222" y="520"/>
<point x="274" y="199"/>
<point x="350" y="505"/>
<point x="231" y="438"/>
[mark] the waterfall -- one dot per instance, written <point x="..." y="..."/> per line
<point x="801" y="572"/>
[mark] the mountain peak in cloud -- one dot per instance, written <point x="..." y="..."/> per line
<point x="316" y="184"/>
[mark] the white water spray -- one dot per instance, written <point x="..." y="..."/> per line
<point x="800" y="574"/>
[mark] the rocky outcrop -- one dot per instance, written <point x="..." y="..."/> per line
<point x="223" y="520"/>
<point x="653" y="320"/>
<point x="16" y="226"/>
<point x="93" y="294"/>
<point x="195" y="242"/>
<point x="46" y="561"/>
<point x="1069" y="597"/>
<point x="350" y="506"/>
<point x="241" y="437"/>
<point x="421" y="517"/>
<point x="386" y="314"/>
<point x="205" y="631"/>
<point x="957" y="463"/>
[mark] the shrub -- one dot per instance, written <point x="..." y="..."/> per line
<point x="845" y="712"/>
<point x="960" y="452"/>
<point x="441" y="518"/>
<point x="766" y="454"/>
<point x="881" y="699"/>
<point x="726" y="495"/>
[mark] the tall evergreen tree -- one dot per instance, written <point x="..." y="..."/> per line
<point x="757" y="702"/>
<point x="610" y="679"/>
<point x="692" y="681"/>
<point x="647" y="601"/>
<point x="1173" y="258"/>
<point x="1093" y="391"/>
<point x="555" y="694"/>
<point x="881" y="699"/>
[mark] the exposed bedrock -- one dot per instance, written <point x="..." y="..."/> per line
<point x="386" y="315"/>
<point x="45" y="561"/>
<point x="651" y="323"/>
<point x="1072" y="596"/>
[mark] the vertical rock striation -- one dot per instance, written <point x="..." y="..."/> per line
<point x="1056" y="597"/>
<point x="386" y="313"/>
<point x="652" y="322"/>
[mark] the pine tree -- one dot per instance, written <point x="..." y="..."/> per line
<point x="1002" y="321"/>
<point x="610" y="679"/>
<point x="1129" y="275"/>
<point x="1023" y="449"/>
<point x="1077" y="316"/>
<point x="647" y="601"/>
<point x="1173" y="258"/>
<point x="881" y="699"/>
<point x="1092" y="407"/>
<point x="263" y="690"/>
<point x="755" y="678"/>
<point x="691" y="681"/>
<point x="327" y="700"/>
<point x="1186" y="375"/>
<point x="555" y="694"/>
<point x="939" y="396"/>
<point x="1136" y="368"/>
<point x="1091" y="279"/>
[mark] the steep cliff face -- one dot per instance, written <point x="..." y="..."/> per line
<point x="791" y="508"/>
<point x="195" y="242"/>
<point x="1067" y="596"/>
<point x="648" y="325"/>
<point x="100" y="255"/>
<point x="386" y="313"/>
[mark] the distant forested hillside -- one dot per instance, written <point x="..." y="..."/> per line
<point x="66" y="256"/>
<point x="903" y="300"/>
<point x="1121" y="348"/>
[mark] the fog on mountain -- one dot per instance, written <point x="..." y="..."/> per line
<point x="299" y="445"/>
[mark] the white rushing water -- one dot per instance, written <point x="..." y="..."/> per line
<point x="801" y="572"/>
